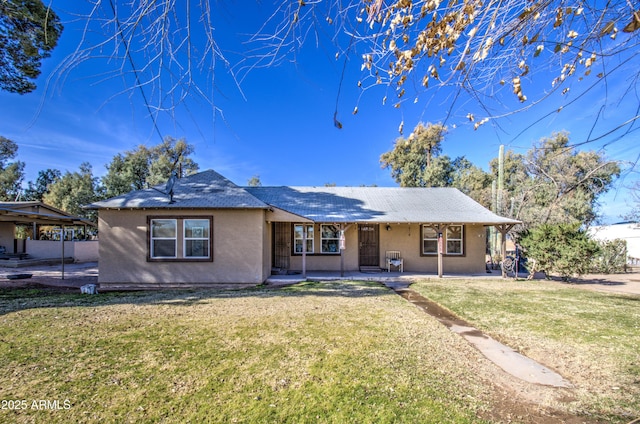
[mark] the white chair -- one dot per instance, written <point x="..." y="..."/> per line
<point x="393" y="258"/>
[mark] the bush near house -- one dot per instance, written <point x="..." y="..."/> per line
<point x="612" y="258"/>
<point x="564" y="249"/>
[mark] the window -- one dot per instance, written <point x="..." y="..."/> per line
<point x="163" y="238"/>
<point x="429" y="240"/>
<point x="454" y="240"/>
<point x="330" y="238"/>
<point x="180" y="238"/>
<point x="298" y="238"/>
<point x="196" y="238"/>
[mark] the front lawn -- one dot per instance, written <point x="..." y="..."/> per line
<point x="330" y="352"/>
<point x="314" y="352"/>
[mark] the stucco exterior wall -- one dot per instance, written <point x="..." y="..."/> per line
<point x="407" y="238"/>
<point x="7" y="234"/>
<point x="238" y="254"/>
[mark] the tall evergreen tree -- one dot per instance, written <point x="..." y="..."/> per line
<point x="29" y="30"/>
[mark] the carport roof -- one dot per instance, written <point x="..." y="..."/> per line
<point x="41" y="213"/>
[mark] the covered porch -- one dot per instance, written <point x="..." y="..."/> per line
<point x="383" y="277"/>
<point x="362" y="249"/>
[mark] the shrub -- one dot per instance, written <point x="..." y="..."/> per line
<point x="612" y="258"/>
<point x="564" y="249"/>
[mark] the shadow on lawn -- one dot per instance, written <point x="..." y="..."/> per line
<point x="34" y="296"/>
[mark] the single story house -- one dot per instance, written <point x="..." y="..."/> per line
<point x="210" y="231"/>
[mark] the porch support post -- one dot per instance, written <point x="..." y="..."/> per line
<point x="342" y="246"/>
<point x="440" y="265"/>
<point x="304" y="250"/>
<point x="440" y="228"/>
<point x="504" y="230"/>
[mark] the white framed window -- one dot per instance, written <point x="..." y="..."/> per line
<point x="329" y="238"/>
<point x="164" y="238"/>
<point x="180" y="238"/>
<point x="298" y="238"/>
<point x="454" y="240"/>
<point x="429" y="240"/>
<point x="196" y="238"/>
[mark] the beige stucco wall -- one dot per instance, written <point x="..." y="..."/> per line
<point x="407" y="239"/>
<point x="238" y="240"/>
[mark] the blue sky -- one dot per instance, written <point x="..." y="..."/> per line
<point x="280" y="126"/>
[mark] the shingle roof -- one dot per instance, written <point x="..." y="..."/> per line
<point x="379" y="204"/>
<point x="210" y="190"/>
<point x="206" y="189"/>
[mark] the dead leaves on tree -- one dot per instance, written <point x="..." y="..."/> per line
<point x="464" y="41"/>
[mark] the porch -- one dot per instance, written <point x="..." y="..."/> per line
<point x="383" y="277"/>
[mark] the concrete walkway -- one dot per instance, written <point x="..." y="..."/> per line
<point x="503" y="356"/>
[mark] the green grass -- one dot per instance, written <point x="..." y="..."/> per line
<point x="334" y="352"/>
<point x="591" y="338"/>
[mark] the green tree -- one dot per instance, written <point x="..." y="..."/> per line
<point x="564" y="249"/>
<point x="171" y="155"/>
<point x="472" y="181"/>
<point x="11" y="173"/>
<point x="417" y="162"/>
<point x="73" y="191"/>
<point x="144" y="166"/>
<point x="411" y="158"/>
<point x="36" y="191"/>
<point x="254" y="181"/>
<point x="554" y="183"/>
<point x="29" y="30"/>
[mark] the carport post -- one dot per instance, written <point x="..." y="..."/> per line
<point x="62" y="239"/>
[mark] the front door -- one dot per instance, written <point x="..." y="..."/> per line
<point x="369" y="253"/>
<point x="281" y="244"/>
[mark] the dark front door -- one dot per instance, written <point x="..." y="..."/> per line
<point x="281" y="244"/>
<point x="369" y="253"/>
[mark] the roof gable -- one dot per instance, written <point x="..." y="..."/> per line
<point x="206" y="189"/>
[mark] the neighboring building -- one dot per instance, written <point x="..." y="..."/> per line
<point x="628" y="231"/>
<point x="44" y="223"/>
<point x="212" y="231"/>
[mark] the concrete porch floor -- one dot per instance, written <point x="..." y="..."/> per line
<point x="382" y="276"/>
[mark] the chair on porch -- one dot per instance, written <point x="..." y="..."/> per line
<point x="393" y="258"/>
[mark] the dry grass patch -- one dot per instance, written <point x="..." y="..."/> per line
<point x="330" y="352"/>
<point x="591" y="338"/>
